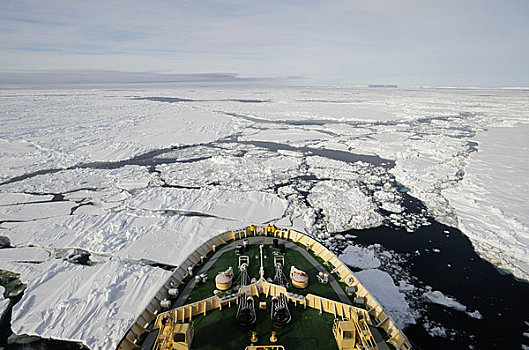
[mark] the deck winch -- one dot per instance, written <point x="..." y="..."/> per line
<point x="279" y="312"/>
<point x="279" y="276"/>
<point x="246" y="313"/>
<point x="244" y="277"/>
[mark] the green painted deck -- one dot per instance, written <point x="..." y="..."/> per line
<point x="219" y="329"/>
<point x="308" y="330"/>
<point x="291" y="256"/>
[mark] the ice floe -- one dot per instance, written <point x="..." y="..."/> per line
<point x="4" y="303"/>
<point x="380" y="284"/>
<point x="359" y="257"/>
<point x="33" y="211"/>
<point x="343" y="206"/>
<point x="93" y="305"/>
<point x="24" y="254"/>
<point x="255" y="171"/>
<point x="491" y="200"/>
<point x="441" y="299"/>
<point x="300" y="137"/>
<point x="437" y="297"/>
<point x="22" y="198"/>
<point x="84" y="180"/>
<point x="435" y="329"/>
<point x="217" y="202"/>
<point x="162" y="238"/>
<point x="157" y="225"/>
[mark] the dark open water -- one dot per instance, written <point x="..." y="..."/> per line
<point x="459" y="272"/>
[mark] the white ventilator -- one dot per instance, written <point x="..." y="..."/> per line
<point x="299" y="278"/>
<point x="224" y="279"/>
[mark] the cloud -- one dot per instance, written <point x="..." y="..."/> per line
<point x="80" y="77"/>
<point x="331" y="41"/>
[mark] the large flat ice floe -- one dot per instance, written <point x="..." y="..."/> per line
<point x="491" y="201"/>
<point x="35" y="211"/>
<point x="221" y="203"/>
<point x="94" y="305"/>
<point x="359" y="257"/>
<point x="154" y="237"/>
<point x="158" y="224"/>
<point x="25" y="254"/>
<point x="381" y="286"/>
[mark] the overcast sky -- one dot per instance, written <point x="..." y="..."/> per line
<point x="439" y="43"/>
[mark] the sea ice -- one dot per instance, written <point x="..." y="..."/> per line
<point x="82" y="182"/>
<point x="475" y="314"/>
<point x="130" y="212"/>
<point x="24" y="254"/>
<point x="292" y="108"/>
<point x="344" y="206"/>
<point x="437" y="297"/>
<point x="21" y="198"/>
<point x="297" y="137"/>
<point x="4" y="303"/>
<point x="96" y="125"/>
<point x="437" y="332"/>
<point x="217" y="202"/>
<point x="491" y="201"/>
<point x="253" y="171"/>
<point x="35" y="211"/>
<point x="359" y="257"/>
<point x="161" y="238"/>
<point x="380" y="284"/>
<point x="93" y="305"/>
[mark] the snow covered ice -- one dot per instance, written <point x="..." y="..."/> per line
<point x="4" y="303"/>
<point x="363" y="258"/>
<point x="24" y="254"/>
<point x="491" y="201"/>
<point x="142" y="175"/>
<point x="92" y="305"/>
<point x="380" y="284"/>
<point x="441" y="299"/>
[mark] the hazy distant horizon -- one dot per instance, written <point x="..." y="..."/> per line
<point x="61" y="79"/>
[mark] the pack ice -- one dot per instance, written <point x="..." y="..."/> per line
<point x="144" y="176"/>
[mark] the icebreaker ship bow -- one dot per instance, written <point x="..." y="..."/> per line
<point x="232" y="293"/>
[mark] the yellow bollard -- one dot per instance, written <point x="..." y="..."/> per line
<point x="254" y="338"/>
<point x="273" y="337"/>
